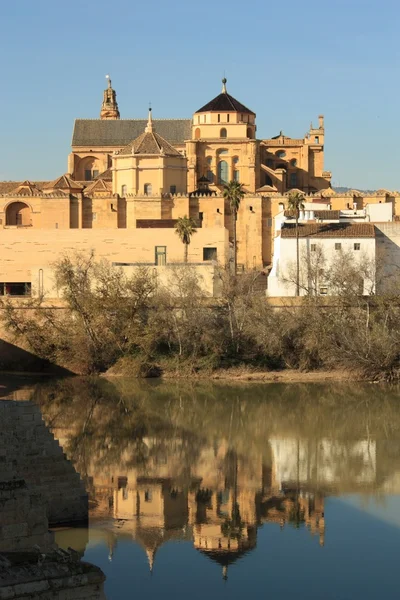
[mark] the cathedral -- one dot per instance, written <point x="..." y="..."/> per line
<point x="219" y="144"/>
<point x="129" y="180"/>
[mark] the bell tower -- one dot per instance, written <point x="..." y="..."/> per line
<point x="109" y="108"/>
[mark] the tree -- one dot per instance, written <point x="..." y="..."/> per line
<point x="296" y="204"/>
<point x="185" y="228"/>
<point x="234" y="192"/>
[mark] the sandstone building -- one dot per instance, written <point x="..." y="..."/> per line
<point x="141" y="175"/>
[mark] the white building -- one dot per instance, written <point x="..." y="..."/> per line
<point x="323" y="247"/>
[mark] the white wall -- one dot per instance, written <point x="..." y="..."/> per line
<point x="284" y="261"/>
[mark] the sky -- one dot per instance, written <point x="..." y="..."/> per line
<point x="288" y="61"/>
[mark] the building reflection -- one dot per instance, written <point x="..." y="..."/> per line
<point x="218" y="506"/>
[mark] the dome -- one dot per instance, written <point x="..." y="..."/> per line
<point x="224" y="102"/>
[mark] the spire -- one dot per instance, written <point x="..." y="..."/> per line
<point x="224" y="85"/>
<point x="109" y="108"/>
<point x="150" y="126"/>
<point x="150" y="557"/>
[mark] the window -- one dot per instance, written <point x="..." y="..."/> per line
<point x="124" y="494"/>
<point x="172" y="189"/>
<point x="197" y="133"/>
<point x="222" y="172"/>
<point x="95" y="173"/>
<point x="222" y="151"/>
<point x="357" y="246"/>
<point x="323" y="291"/>
<point x="281" y="154"/>
<point x="209" y="160"/>
<point x="269" y="162"/>
<point x="148" y="189"/>
<point x="123" y="190"/>
<point x="210" y="176"/>
<point x="15" y="289"/>
<point x="313" y="247"/>
<point x="209" y="254"/>
<point x="249" y="132"/>
<point x="88" y="175"/>
<point x="236" y="175"/>
<point x="148" y="496"/>
<point x="316" y="139"/>
<point x="219" y="118"/>
<point x="293" y="179"/>
<point x="161" y="256"/>
<point x="235" y="160"/>
<point x="201" y="217"/>
<point x="338" y="246"/>
<point x="223" y="133"/>
<point x="293" y="162"/>
<point x="227" y="118"/>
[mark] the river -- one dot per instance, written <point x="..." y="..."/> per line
<point x="214" y="490"/>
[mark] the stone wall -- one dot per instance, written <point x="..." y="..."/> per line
<point x="23" y="520"/>
<point x="36" y="457"/>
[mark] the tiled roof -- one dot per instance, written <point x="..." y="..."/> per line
<point x="331" y="230"/>
<point x="225" y="103"/>
<point x="64" y="183"/>
<point x="6" y="187"/>
<point x="118" y="133"/>
<point x="327" y="215"/>
<point x="105" y="175"/>
<point x="99" y="185"/>
<point x="150" y="142"/>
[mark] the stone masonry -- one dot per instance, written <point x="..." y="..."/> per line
<point x="33" y="455"/>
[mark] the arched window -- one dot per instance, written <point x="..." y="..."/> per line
<point x="222" y="172"/>
<point x="210" y="176"/>
<point x="236" y="175"/>
<point x="249" y="132"/>
<point x="293" y="162"/>
<point x="123" y="190"/>
<point x="18" y="213"/>
<point x="223" y="133"/>
<point x="197" y="133"/>
<point x="281" y="154"/>
<point x="148" y="189"/>
<point x="316" y="139"/>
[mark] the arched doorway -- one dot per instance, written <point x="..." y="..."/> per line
<point x="18" y="214"/>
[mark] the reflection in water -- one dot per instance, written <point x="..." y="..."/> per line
<point x="211" y="464"/>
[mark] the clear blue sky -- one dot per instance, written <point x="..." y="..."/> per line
<point x="288" y="61"/>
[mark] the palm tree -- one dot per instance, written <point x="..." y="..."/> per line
<point x="296" y="204"/>
<point x="185" y="227"/>
<point x="234" y="192"/>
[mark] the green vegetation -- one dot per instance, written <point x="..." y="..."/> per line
<point x="296" y="204"/>
<point x="185" y="228"/>
<point x="234" y="193"/>
<point x="135" y="326"/>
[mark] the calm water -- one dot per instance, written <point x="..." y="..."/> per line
<point x="218" y="491"/>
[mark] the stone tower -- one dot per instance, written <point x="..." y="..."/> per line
<point x="109" y="108"/>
